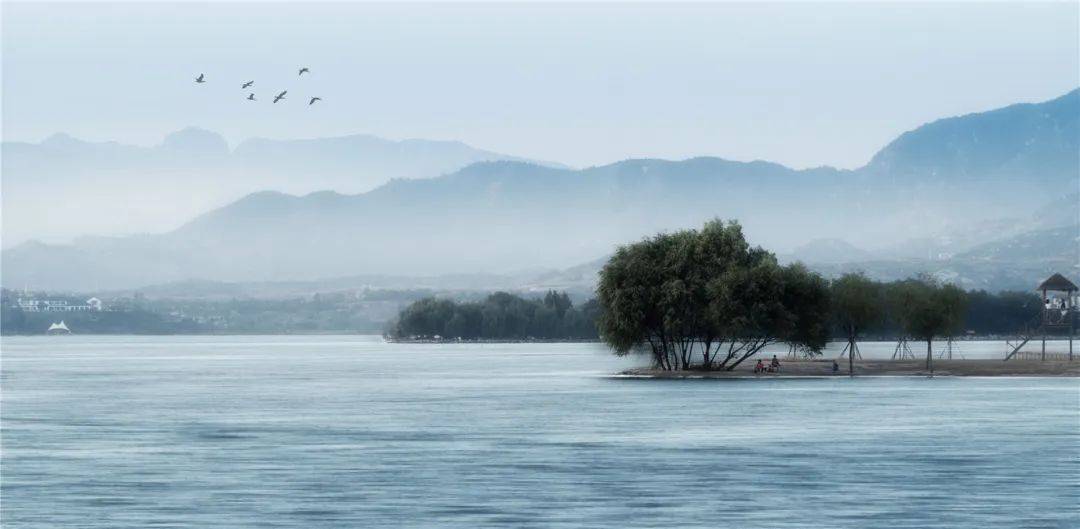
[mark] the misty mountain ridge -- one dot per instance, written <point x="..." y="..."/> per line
<point x="1030" y="141"/>
<point x="204" y="145"/>
<point x="194" y="170"/>
<point x="494" y="216"/>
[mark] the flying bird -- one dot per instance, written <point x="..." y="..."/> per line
<point x="280" y="96"/>
<point x="251" y="97"/>
<point x="313" y="100"/>
<point x="247" y="84"/>
<point x="303" y="71"/>
<point x="200" y="79"/>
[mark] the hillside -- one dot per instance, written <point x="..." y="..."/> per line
<point x="1033" y="143"/>
<point x="145" y="189"/>
<point x="507" y="217"/>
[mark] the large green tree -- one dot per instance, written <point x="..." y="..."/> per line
<point x="707" y="299"/>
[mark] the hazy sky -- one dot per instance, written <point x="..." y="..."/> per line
<point x="802" y="84"/>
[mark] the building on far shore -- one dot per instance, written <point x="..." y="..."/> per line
<point x="33" y="304"/>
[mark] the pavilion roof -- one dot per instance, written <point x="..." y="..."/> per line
<point x="1058" y="282"/>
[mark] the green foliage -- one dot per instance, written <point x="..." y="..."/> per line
<point x="928" y="309"/>
<point x="708" y="299"/>
<point x="807" y="296"/>
<point x="858" y="304"/>
<point x="1001" y="313"/>
<point x="428" y="317"/>
<point x="501" y="316"/>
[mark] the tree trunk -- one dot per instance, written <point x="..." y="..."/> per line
<point x="851" y="356"/>
<point x="930" y="355"/>
<point x="751" y="352"/>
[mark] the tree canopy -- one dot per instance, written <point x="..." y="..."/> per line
<point x="927" y="309"/>
<point x="707" y="299"/>
<point x="858" y="304"/>
<point x="501" y="316"/>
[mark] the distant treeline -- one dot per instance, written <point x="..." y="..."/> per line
<point x="350" y="312"/>
<point x="981" y="313"/>
<point x="128" y="321"/>
<point x="505" y="316"/>
<point x="501" y="316"/>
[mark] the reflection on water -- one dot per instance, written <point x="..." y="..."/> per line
<point x="352" y="432"/>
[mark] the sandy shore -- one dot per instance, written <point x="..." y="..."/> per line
<point x="889" y="368"/>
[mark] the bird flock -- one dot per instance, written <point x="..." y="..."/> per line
<point x="251" y="95"/>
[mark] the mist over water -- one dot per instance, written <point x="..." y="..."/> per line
<point x="353" y="432"/>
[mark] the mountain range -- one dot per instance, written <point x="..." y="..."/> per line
<point x="936" y="193"/>
<point x="193" y="170"/>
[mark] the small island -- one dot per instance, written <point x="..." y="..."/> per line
<point x="706" y="304"/>
<point x="881" y="368"/>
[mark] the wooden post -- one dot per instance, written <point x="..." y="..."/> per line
<point x="1043" y="358"/>
<point x="1045" y="310"/>
<point x="851" y="356"/>
<point x="930" y="356"/>
<point x="1071" y="311"/>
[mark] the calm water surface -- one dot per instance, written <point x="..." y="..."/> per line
<point x="146" y="432"/>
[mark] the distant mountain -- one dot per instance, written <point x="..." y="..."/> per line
<point x="1060" y="246"/>
<point x="502" y="217"/>
<point x="356" y="163"/>
<point x="224" y="290"/>
<point x="829" y="251"/>
<point x="196" y="144"/>
<point x="491" y="217"/>
<point x="127" y="188"/>
<point x="1033" y="144"/>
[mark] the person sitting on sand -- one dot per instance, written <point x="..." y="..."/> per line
<point x="775" y="364"/>
<point x="759" y="366"/>
<point x="835" y="366"/>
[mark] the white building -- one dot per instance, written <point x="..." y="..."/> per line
<point x="57" y="305"/>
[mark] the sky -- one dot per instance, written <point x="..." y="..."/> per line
<point x="801" y="84"/>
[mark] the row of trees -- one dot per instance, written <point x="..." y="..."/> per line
<point x="920" y="309"/>
<point x="706" y="299"/>
<point x="984" y="313"/>
<point x="501" y="316"/>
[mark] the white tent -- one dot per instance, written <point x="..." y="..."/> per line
<point x="59" y="328"/>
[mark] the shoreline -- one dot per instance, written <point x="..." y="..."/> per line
<point x="485" y="341"/>
<point x="878" y="368"/>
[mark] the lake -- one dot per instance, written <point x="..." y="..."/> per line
<point x="349" y="431"/>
